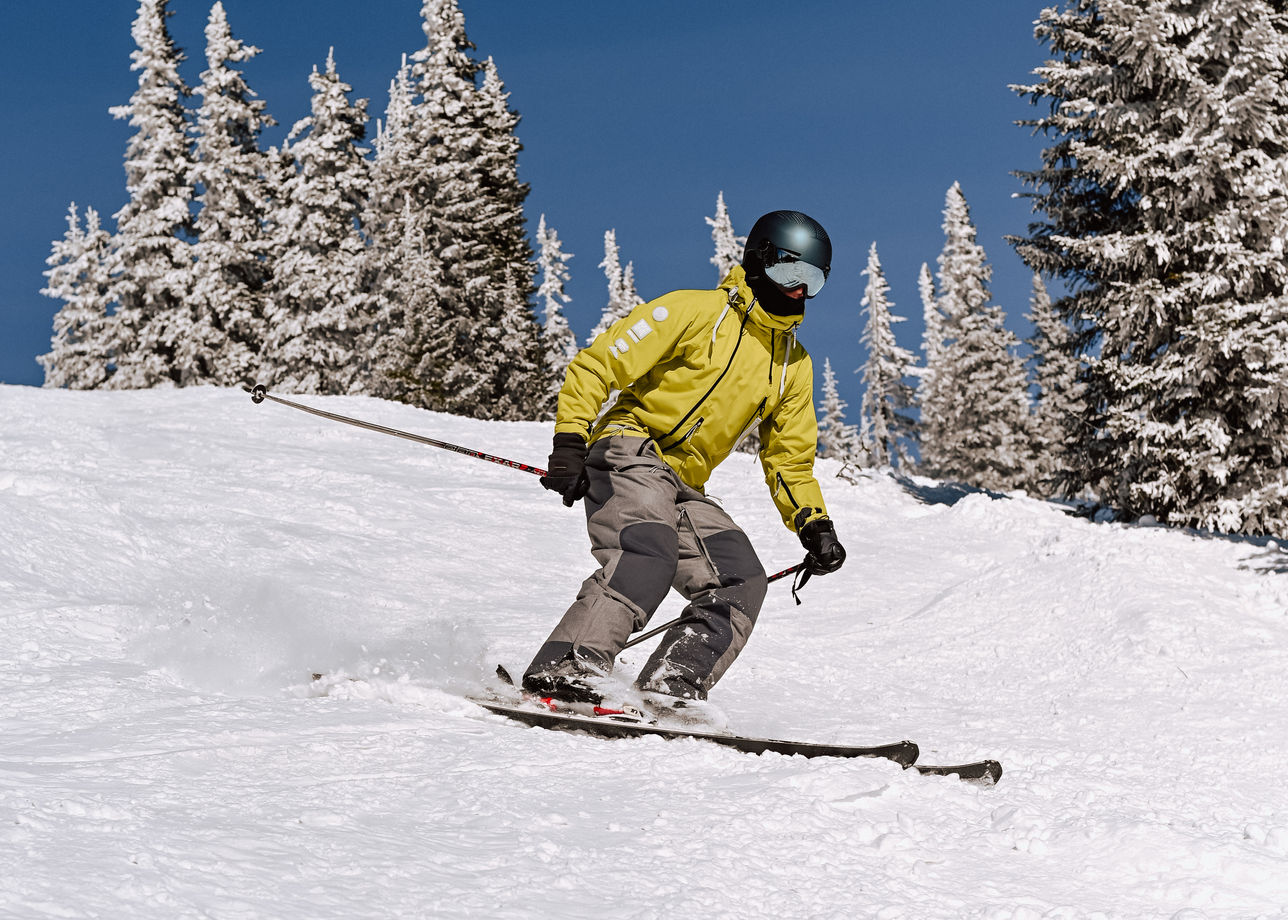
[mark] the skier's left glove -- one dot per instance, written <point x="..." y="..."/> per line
<point x="825" y="552"/>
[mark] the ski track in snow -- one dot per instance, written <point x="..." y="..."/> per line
<point x="174" y="564"/>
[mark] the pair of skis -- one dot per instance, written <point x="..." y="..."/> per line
<point x="607" y="723"/>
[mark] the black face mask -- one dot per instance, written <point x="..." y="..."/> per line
<point x="772" y="298"/>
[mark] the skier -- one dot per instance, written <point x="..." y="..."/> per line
<point x="697" y="371"/>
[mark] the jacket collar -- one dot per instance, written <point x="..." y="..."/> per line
<point x="741" y="295"/>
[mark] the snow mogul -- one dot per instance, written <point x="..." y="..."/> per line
<point x="697" y="371"/>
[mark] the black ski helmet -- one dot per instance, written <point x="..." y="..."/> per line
<point x="792" y="232"/>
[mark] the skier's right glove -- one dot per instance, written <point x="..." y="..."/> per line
<point x="825" y="552"/>
<point x="567" y="467"/>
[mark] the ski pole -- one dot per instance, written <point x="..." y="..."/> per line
<point x="259" y="393"/>
<point x="680" y="621"/>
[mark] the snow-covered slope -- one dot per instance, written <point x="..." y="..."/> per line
<point x="173" y="565"/>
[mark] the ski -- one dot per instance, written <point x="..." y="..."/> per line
<point x="629" y="722"/>
<point x="606" y="725"/>
<point x="609" y="722"/>
<point x="984" y="772"/>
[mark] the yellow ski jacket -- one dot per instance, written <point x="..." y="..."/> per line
<point x="698" y="371"/>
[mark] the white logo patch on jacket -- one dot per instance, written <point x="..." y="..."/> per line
<point x="640" y="329"/>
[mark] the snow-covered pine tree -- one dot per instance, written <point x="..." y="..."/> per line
<point x="514" y="358"/>
<point x="560" y="343"/>
<point x="1165" y="210"/>
<point x="409" y="314"/>
<point x="932" y="339"/>
<point x="622" y="297"/>
<point x="629" y="296"/>
<point x="398" y="246"/>
<point x="886" y="427"/>
<point x="975" y="414"/>
<point x="152" y="263"/>
<point x="1059" y="409"/>
<point x="395" y="166"/>
<point x="79" y="275"/>
<point x="837" y="440"/>
<point x="233" y="250"/>
<point x="320" y="307"/>
<point x="520" y="356"/>
<point x="728" y="245"/>
<point x="469" y="201"/>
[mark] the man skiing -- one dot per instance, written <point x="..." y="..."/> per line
<point x="696" y="371"/>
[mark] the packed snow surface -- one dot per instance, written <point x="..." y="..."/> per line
<point x="175" y="564"/>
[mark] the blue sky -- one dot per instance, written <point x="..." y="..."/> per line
<point x="634" y="115"/>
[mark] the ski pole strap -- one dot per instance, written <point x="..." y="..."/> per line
<point x="259" y="393"/>
<point x="803" y="574"/>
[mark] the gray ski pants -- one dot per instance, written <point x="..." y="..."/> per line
<point x="650" y="532"/>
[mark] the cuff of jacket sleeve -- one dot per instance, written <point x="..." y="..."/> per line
<point x="805" y="515"/>
<point x="580" y="429"/>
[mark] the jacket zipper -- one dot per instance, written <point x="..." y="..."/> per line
<point x="782" y="484"/>
<point x="756" y="418"/>
<point x="678" y="425"/>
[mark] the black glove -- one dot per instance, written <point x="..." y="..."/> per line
<point x="825" y="552"/>
<point x="567" y="467"/>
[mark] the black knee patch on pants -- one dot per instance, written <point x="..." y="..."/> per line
<point x="646" y="566"/>
<point x="735" y="560"/>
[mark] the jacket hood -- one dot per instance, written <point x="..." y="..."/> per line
<point x="736" y="281"/>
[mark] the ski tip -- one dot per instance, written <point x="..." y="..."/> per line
<point x="504" y="675"/>
<point x="981" y="772"/>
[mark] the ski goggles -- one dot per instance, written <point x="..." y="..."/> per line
<point x="787" y="270"/>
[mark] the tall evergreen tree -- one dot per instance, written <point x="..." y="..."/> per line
<point x="975" y="415"/>
<point x="398" y="246"/>
<point x="320" y="306"/>
<point x="560" y="343"/>
<point x="622" y="296"/>
<point x="233" y="249"/>
<point x="1165" y="210"/>
<point x="728" y="245"/>
<point x="479" y="343"/>
<point x="520" y="359"/>
<point x="932" y="337"/>
<point x="515" y="357"/>
<point x="885" y="424"/>
<point x="80" y="276"/>
<point x="397" y="166"/>
<point x="152" y="263"/>
<point x="1059" y="409"/>
<point x="408" y="313"/>
<point x="837" y="440"/>
<point x="932" y="322"/>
